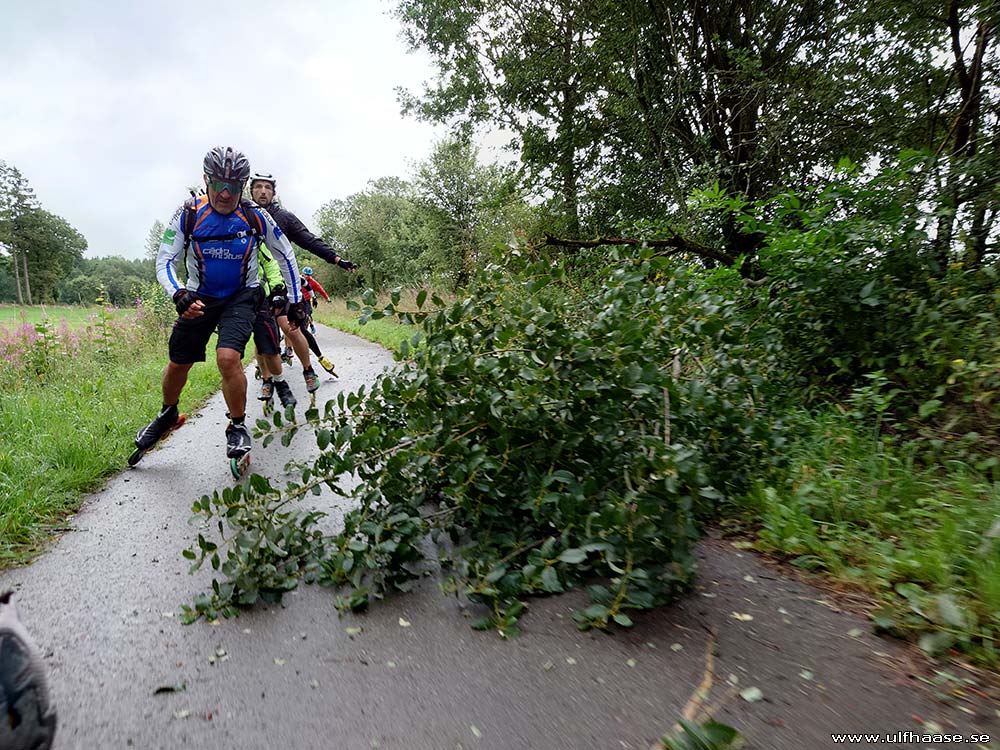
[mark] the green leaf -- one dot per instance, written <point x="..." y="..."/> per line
<point x="259" y="484"/>
<point x="927" y="408"/>
<point x="950" y="612"/>
<point x="550" y="580"/>
<point x="573" y="556"/>
<point x="623" y="619"/>
<point x="595" y="612"/>
<point x="936" y="642"/>
<point x="323" y="438"/>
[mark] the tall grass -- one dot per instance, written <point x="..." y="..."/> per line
<point x="71" y="401"/>
<point x="925" y="539"/>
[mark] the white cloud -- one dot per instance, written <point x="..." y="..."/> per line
<point x="109" y="108"/>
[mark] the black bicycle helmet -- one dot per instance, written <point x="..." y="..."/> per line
<point x="227" y="163"/>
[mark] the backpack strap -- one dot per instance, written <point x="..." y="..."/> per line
<point x="188" y="218"/>
<point x="253" y="218"/>
<point x="255" y="228"/>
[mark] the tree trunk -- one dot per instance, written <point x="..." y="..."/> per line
<point x="27" y="286"/>
<point x="567" y="166"/>
<point x="964" y="130"/>
<point x="17" y="275"/>
<point x="975" y="245"/>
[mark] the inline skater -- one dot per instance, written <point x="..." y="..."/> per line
<point x="262" y="190"/>
<point x="266" y="334"/>
<point x="223" y="233"/>
<point x="310" y="288"/>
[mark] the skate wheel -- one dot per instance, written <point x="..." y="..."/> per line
<point x="238" y="466"/>
<point x="268" y="406"/>
<point x="312" y="399"/>
<point x="136" y="456"/>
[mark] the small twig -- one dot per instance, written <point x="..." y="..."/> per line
<point x="766" y="643"/>
<point x="700" y="695"/>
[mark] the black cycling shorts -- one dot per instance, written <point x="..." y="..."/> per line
<point x="234" y="316"/>
<point x="266" y="335"/>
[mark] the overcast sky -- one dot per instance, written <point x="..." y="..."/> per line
<point x="108" y="108"/>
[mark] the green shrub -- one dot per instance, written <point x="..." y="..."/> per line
<point x="858" y="309"/>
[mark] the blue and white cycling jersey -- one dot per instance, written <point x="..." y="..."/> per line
<point x="222" y="255"/>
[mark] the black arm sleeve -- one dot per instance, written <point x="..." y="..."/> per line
<point x="301" y="236"/>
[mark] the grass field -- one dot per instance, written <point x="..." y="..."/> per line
<point x="68" y="417"/>
<point x="75" y="316"/>
<point x="385" y="331"/>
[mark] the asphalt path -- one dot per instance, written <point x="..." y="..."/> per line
<point x="104" y="605"/>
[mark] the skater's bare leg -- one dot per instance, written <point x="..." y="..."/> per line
<point x="174" y="378"/>
<point x="265" y="363"/>
<point x="297" y="340"/>
<point x="270" y="364"/>
<point x="234" y="382"/>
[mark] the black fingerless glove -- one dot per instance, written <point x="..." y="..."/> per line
<point x="183" y="299"/>
<point x="278" y="298"/>
<point x="297" y="313"/>
<point x="347" y="265"/>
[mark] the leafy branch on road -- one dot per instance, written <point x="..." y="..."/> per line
<point x="540" y="438"/>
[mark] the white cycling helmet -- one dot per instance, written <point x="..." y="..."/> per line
<point x="261" y="177"/>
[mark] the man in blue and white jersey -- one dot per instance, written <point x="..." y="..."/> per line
<point x="216" y="237"/>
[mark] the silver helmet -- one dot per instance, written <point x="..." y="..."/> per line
<point x="227" y="163"/>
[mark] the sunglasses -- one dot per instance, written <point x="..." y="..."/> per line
<point x="234" y="187"/>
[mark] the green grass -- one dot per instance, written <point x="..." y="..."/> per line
<point x="62" y="435"/>
<point x="384" y="331"/>
<point x="75" y="316"/>
<point x="924" y="539"/>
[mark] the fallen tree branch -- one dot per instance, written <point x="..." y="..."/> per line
<point x="677" y="244"/>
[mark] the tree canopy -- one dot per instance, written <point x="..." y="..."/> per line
<point x="621" y="109"/>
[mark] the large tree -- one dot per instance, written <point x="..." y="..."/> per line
<point x="465" y="205"/>
<point x="42" y="247"/>
<point x="623" y="107"/>
<point x="438" y="226"/>
<point x="17" y="201"/>
<point x="379" y="229"/>
<point x="527" y="66"/>
<point x="51" y="246"/>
